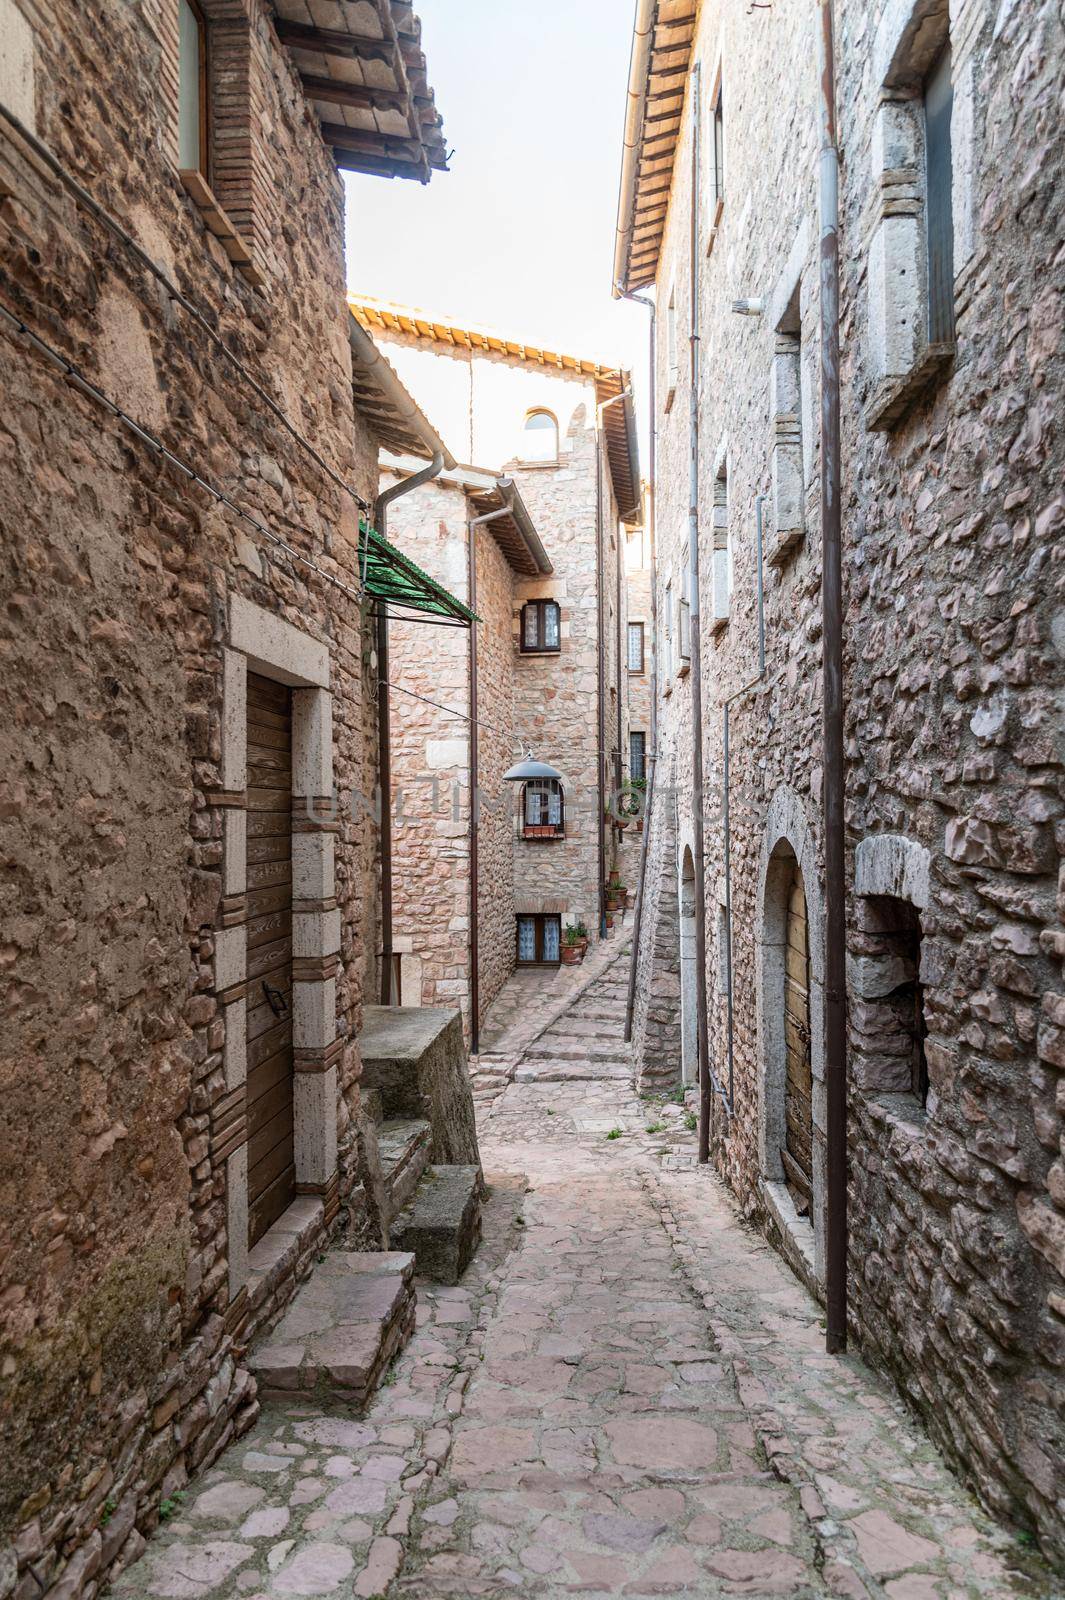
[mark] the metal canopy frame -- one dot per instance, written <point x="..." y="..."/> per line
<point x="394" y="580"/>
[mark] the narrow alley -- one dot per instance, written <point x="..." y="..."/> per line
<point x="627" y="1394"/>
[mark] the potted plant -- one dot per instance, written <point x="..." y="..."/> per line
<point x="582" y="937"/>
<point x="615" y="895"/>
<point x="572" y="947"/>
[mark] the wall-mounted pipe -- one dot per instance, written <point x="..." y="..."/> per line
<point x="475" y="776"/>
<point x="832" y="694"/>
<point x="726" y="824"/>
<point x="651" y="764"/>
<point x="624" y="396"/>
<point x="694" y="608"/>
<point x="600" y="684"/>
<point x="384" y="730"/>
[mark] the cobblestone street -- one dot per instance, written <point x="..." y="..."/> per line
<point x="627" y="1395"/>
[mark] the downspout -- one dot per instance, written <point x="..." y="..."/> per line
<point x="600" y="679"/>
<point x="651" y="764"/>
<point x="384" y="730"/>
<point x="475" y="885"/>
<point x="832" y="693"/>
<point x="626" y="394"/>
<point x="702" y="1021"/>
<point x="725" y="815"/>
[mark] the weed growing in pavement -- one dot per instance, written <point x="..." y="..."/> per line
<point x="171" y="1505"/>
<point x="615" y="1133"/>
<point x="655" y="1127"/>
<point x="691" y="1122"/>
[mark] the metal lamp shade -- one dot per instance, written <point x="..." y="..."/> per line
<point x="528" y="768"/>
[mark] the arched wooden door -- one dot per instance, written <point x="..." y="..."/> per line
<point x="796" y="1156"/>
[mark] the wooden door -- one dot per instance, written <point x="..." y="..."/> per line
<point x="798" y="1087"/>
<point x="271" y="1169"/>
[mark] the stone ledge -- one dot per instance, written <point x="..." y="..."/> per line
<point x="893" y="397"/>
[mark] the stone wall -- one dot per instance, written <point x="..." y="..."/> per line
<point x="118" y="1334"/>
<point x="496" y="752"/>
<point x="951" y="503"/>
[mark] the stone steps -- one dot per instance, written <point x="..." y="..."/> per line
<point x="562" y="1044"/>
<point x="576" y="1070"/>
<point x="442" y="1223"/>
<point x="573" y="1026"/>
<point x="403" y="1145"/>
<point x="343" y="1328"/>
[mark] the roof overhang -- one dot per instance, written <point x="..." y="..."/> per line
<point x="392" y="579"/>
<point x="364" y="74"/>
<point x="499" y="498"/>
<point x="622" y="448"/>
<point x="391" y="413"/>
<point x="662" y="40"/>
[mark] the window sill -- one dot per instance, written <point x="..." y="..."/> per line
<point x="718" y="626"/>
<point x="683" y="669"/>
<point x="671" y="394"/>
<point x="541" y="836"/>
<point x="894" y="397"/>
<point x="785" y="544"/>
<point x="636" y="672"/>
<point x="216" y="222"/>
<point x="715" y="224"/>
<point x="525" y="650"/>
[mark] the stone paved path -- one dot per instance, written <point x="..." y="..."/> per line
<point x="627" y="1395"/>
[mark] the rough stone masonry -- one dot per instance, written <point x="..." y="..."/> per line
<point x="952" y="527"/>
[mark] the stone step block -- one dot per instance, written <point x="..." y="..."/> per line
<point x="564" y="1044"/>
<point x="442" y="1224"/>
<point x="404" y="1146"/>
<point x="573" y="1026"/>
<point x="577" y="1071"/>
<point x="342" y="1330"/>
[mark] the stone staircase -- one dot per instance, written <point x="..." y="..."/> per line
<point x="585" y="1042"/>
<point x="356" y="1311"/>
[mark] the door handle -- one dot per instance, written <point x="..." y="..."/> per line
<point x="275" y="1000"/>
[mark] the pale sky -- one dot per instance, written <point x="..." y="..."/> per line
<point x="519" y="234"/>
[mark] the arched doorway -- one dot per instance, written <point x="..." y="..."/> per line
<point x="796" y="1152"/>
<point x="689" y="1048"/>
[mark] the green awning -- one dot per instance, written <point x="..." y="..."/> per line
<point x="389" y="575"/>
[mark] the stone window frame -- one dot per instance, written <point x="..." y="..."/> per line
<point x="714" y="118"/>
<point x="904" y="363"/>
<point x="672" y="357"/>
<point x="264" y="643"/>
<point x="539" y="832"/>
<point x="541" y="603"/>
<point x="538" y="463"/>
<point x="787" y="824"/>
<point x="890" y="866"/>
<point x="540" y="918"/>
<point x="635" y="622"/>
<point x="722" y="570"/>
<point x="229" y="194"/>
<point x="790" y="404"/>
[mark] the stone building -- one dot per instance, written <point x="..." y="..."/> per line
<point x="951" y="319"/>
<point x="184" y="469"/>
<point x="558" y="435"/>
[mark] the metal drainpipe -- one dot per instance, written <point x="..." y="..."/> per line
<point x="726" y="828"/>
<point x="832" y="670"/>
<point x="650" y="765"/>
<point x="625" y="394"/>
<point x="702" y="1020"/>
<point x="600" y="678"/>
<point x="475" y="951"/>
<point x="384" y="731"/>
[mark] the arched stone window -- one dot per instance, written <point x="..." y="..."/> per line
<point x="539" y="438"/>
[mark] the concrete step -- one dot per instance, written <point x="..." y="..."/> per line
<point x="344" y="1327"/>
<point x="403" y="1144"/>
<point x="442" y="1224"/>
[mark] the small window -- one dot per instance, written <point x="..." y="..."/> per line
<point x="637" y="755"/>
<point x="543" y="809"/>
<point x="684" y="618"/>
<point x="667" y="631"/>
<point x="939" y="205"/>
<point x="539" y="940"/>
<point x="635" y="646"/>
<point x="541" y="627"/>
<point x="672" y="370"/>
<point x="722" y="548"/>
<point x="193" y="132"/>
<point x="539" y="440"/>
<point x="889" y="1026"/>
<point x="717" y="155"/>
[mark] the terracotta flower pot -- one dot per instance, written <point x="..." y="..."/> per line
<point x="571" y="955"/>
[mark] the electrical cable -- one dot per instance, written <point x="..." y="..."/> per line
<point x="74" y="376"/>
<point x="95" y="209"/>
